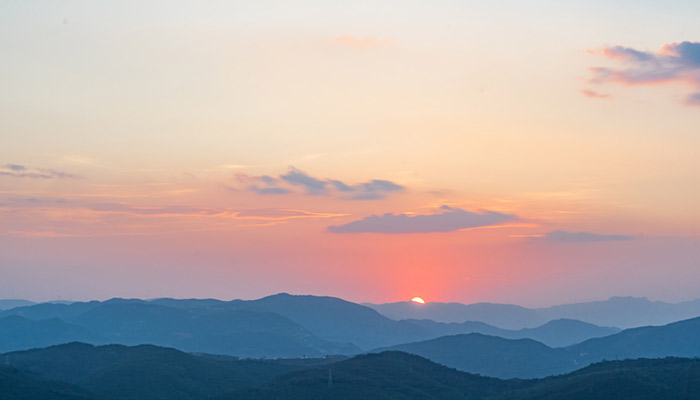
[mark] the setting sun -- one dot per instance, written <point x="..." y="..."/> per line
<point x="418" y="300"/>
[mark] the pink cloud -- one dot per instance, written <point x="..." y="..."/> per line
<point x="674" y="63"/>
<point x="595" y="95"/>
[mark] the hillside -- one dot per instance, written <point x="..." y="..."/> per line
<point x="641" y="379"/>
<point x="388" y="375"/>
<point x="680" y="339"/>
<point x="19" y="333"/>
<point x="338" y="320"/>
<point x="229" y="328"/>
<point x="21" y="385"/>
<point x="524" y="358"/>
<point x="493" y="356"/>
<point x="555" y="333"/>
<point x="78" y="371"/>
<point x="155" y="373"/>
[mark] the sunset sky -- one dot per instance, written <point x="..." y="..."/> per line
<point x="535" y="152"/>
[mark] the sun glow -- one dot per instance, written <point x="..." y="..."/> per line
<point x="418" y="300"/>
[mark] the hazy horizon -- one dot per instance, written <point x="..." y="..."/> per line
<point x="427" y="301"/>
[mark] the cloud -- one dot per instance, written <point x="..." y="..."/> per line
<point x="300" y="178"/>
<point x="578" y="237"/>
<point x="295" y="179"/>
<point x="159" y="211"/>
<point x="20" y="171"/>
<point x="276" y="214"/>
<point x="448" y="219"/>
<point x="595" y="95"/>
<point x="372" y="190"/>
<point x="693" y="99"/>
<point x="15" y="167"/>
<point x="263" y="214"/>
<point x="269" y="190"/>
<point x="674" y="63"/>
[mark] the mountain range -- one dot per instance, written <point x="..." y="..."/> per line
<point x="621" y="312"/>
<point x="78" y="371"/>
<point x="275" y="326"/>
<point x="526" y="358"/>
<point x="6" y="304"/>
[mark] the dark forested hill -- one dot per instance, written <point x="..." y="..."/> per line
<point x="144" y="372"/>
<point x="21" y="385"/>
<point x="78" y="371"/>
<point x="389" y="375"/>
<point x="493" y="356"/>
<point x="641" y="379"/>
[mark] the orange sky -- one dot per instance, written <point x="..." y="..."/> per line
<point x="532" y="153"/>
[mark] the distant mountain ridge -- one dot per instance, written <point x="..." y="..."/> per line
<point x="6" y="304"/>
<point x="525" y="358"/>
<point x="230" y="329"/>
<point x="555" y="333"/>
<point x="621" y="312"/>
<point x="280" y="325"/>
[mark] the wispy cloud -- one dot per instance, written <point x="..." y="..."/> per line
<point x="674" y="63"/>
<point x="447" y="219"/>
<point x="298" y="181"/>
<point x="577" y="237"/>
<point x="263" y="214"/>
<point x="159" y="211"/>
<point x="21" y="171"/>
<point x="595" y="95"/>
<point x="276" y="214"/>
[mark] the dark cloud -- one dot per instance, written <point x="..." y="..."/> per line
<point x="20" y="171"/>
<point x="295" y="178"/>
<point x="577" y="237"/>
<point x="300" y="178"/>
<point x="448" y="219"/>
<point x="674" y="63"/>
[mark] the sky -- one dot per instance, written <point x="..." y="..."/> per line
<point x="535" y="153"/>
